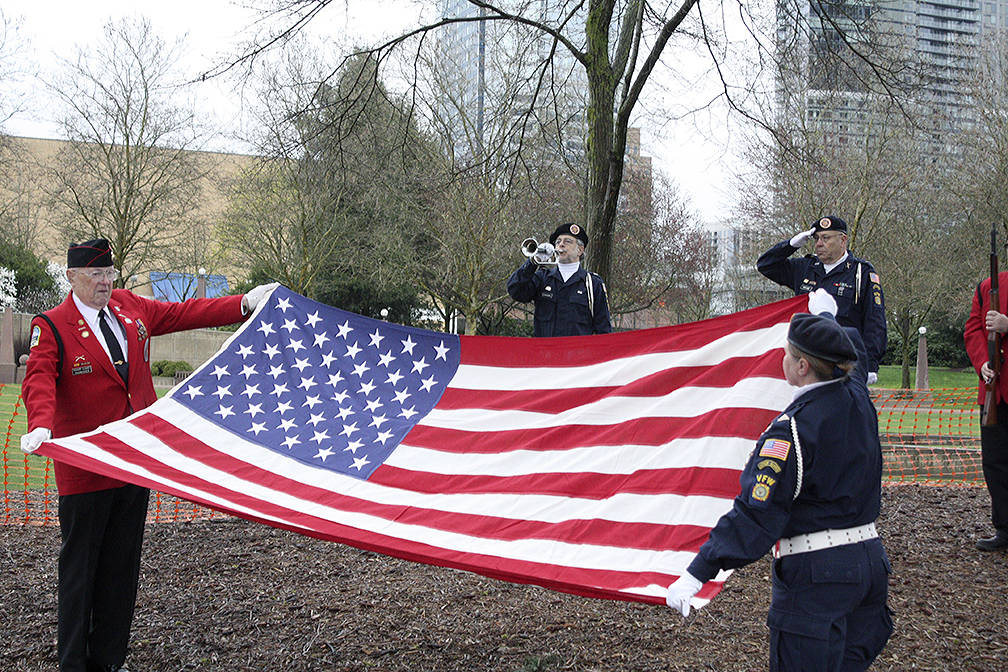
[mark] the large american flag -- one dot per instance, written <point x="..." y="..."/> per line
<point x="593" y="465"/>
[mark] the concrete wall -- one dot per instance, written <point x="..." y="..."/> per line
<point x="195" y="346"/>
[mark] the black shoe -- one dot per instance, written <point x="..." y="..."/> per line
<point x="998" y="542"/>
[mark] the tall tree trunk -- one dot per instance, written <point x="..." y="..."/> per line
<point x="599" y="142"/>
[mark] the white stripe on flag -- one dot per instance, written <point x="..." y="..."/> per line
<point x="686" y="402"/>
<point x="706" y="452"/>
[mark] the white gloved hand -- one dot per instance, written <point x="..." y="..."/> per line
<point x="256" y="295"/>
<point x="543" y="253"/>
<point x="801" y="238"/>
<point x="820" y="301"/>
<point x="681" y="592"/>
<point x="872" y="377"/>
<point x="33" y="439"/>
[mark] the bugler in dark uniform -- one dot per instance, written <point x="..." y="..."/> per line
<point x="811" y="492"/>
<point x="575" y="306"/>
<point x="853" y="282"/>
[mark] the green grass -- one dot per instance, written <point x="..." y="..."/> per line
<point x="16" y="468"/>
<point x="891" y="377"/>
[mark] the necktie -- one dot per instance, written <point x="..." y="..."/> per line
<point x="118" y="360"/>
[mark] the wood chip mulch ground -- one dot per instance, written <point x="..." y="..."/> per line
<point x="234" y="595"/>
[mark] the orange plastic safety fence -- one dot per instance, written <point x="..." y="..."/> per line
<point x="29" y="485"/>
<point x="927" y="437"/>
<point x="930" y="436"/>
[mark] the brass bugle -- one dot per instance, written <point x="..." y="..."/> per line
<point x="529" y="247"/>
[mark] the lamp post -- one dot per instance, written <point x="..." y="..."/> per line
<point x="201" y="283"/>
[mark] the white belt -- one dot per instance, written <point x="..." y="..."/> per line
<point x="816" y="541"/>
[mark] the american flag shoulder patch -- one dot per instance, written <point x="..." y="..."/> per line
<point x="873" y="277"/>
<point x="777" y="448"/>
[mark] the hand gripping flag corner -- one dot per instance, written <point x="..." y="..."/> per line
<point x="592" y="465"/>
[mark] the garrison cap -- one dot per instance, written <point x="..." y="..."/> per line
<point x="89" y="254"/>
<point x="820" y="336"/>
<point x="830" y="223"/>
<point x="575" y="230"/>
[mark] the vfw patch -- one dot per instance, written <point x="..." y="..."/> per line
<point x="36" y="333"/>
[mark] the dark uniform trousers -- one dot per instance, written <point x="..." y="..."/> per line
<point x="850" y="623"/>
<point x="994" y="458"/>
<point x="102" y="534"/>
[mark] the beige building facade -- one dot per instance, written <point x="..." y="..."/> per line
<point x="32" y="218"/>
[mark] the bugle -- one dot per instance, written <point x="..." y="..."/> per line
<point x="544" y="257"/>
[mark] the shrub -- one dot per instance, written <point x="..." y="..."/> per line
<point x="168" y="368"/>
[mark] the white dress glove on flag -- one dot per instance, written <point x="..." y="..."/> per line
<point x="800" y="239"/>
<point x="33" y="439"/>
<point x="872" y="378"/>
<point x="820" y="301"/>
<point x="681" y="592"/>
<point x="256" y="295"/>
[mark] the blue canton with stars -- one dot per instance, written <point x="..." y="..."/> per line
<point x="329" y="388"/>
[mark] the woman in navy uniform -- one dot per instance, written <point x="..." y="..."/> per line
<point x="853" y="282"/>
<point x="811" y="493"/>
<point x="569" y="300"/>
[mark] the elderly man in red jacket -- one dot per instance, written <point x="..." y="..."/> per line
<point x="89" y="364"/>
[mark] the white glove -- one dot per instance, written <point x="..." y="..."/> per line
<point x="33" y="439"/>
<point x="820" y="301"/>
<point x="543" y="253"/>
<point x="872" y="377"/>
<point x="256" y="295"/>
<point x="800" y="239"/>
<point x="681" y="592"/>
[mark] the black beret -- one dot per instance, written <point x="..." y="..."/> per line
<point x="820" y="337"/>
<point x="830" y="223"/>
<point x="575" y="230"/>
<point x="90" y="253"/>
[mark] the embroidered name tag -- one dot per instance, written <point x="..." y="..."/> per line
<point x="81" y="365"/>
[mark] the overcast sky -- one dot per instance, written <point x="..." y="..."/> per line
<point x="692" y="151"/>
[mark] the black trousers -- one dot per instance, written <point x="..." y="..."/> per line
<point x="994" y="457"/>
<point x="99" y="568"/>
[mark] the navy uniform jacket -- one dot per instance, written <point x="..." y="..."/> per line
<point x="838" y="478"/>
<point x="561" y="308"/>
<point x="861" y="306"/>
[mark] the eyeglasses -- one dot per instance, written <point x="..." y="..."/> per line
<point x="826" y="237"/>
<point x="566" y="240"/>
<point x="99" y="273"/>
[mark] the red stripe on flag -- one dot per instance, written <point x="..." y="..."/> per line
<point x="689" y="481"/>
<point x="725" y="422"/>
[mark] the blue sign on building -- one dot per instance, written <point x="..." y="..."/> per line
<point x="182" y="286"/>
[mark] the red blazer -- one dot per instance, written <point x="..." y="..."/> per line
<point x="89" y="392"/>
<point x="975" y="333"/>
